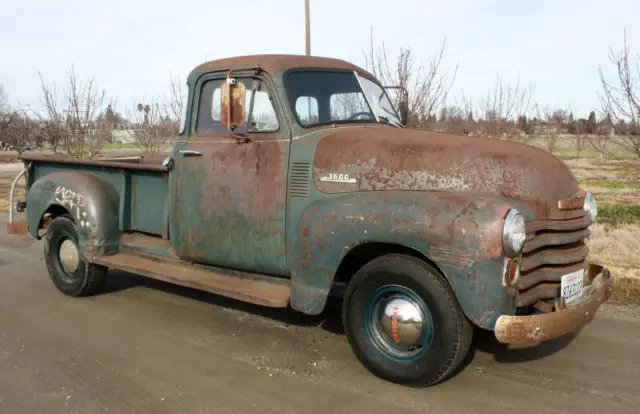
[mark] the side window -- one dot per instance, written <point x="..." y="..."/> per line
<point x="345" y="105"/>
<point x="260" y="113"/>
<point x="208" y="107"/>
<point x="261" y="116"/>
<point x="307" y="109"/>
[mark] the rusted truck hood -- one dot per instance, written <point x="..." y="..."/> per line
<point x="385" y="158"/>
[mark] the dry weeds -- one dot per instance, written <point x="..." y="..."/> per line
<point x="5" y="188"/>
<point x="614" y="195"/>
<point x="617" y="247"/>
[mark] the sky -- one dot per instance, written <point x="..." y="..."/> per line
<point x="132" y="46"/>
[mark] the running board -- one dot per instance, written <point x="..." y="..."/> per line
<point x="268" y="291"/>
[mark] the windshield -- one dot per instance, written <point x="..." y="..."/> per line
<point x="379" y="99"/>
<point x="323" y="97"/>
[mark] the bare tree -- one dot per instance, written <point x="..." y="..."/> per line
<point x="153" y="126"/>
<point x="3" y="100"/>
<point x="427" y="87"/>
<point x="501" y="108"/>
<point x="175" y="101"/>
<point x="548" y="129"/>
<point x="5" y="118"/>
<point x="457" y="118"/>
<point x="19" y="131"/>
<point x="13" y="127"/>
<point x="620" y="104"/>
<point x="76" y="122"/>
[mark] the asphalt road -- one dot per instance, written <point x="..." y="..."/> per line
<point x="149" y="347"/>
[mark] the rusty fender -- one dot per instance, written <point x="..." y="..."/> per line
<point x="460" y="234"/>
<point x="92" y="201"/>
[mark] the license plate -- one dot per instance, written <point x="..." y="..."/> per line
<point x="571" y="285"/>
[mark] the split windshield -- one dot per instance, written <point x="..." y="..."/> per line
<point x="323" y="97"/>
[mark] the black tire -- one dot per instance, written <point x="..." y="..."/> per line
<point x="87" y="278"/>
<point x="445" y="339"/>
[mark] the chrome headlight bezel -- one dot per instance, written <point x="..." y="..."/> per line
<point x="513" y="233"/>
<point x="591" y="206"/>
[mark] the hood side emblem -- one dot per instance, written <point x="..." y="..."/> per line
<point x="338" y="178"/>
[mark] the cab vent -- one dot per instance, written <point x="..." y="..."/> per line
<point x="299" y="176"/>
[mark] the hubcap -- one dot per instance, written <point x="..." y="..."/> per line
<point x="69" y="256"/>
<point x="399" y="323"/>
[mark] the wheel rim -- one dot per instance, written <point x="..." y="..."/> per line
<point x="69" y="256"/>
<point x="68" y="259"/>
<point x="399" y="323"/>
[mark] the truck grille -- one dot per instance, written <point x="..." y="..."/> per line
<point x="552" y="248"/>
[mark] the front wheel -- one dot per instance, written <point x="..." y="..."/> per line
<point x="403" y="322"/>
<point x="70" y="273"/>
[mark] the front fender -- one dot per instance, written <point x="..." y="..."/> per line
<point x="461" y="234"/>
<point x="92" y="201"/>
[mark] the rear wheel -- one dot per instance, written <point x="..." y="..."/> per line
<point x="70" y="273"/>
<point x="404" y="323"/>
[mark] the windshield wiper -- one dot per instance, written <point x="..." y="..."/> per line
<point x="386" y="120"/>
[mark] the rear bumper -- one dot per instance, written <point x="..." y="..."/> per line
<point x="533" y="329"/>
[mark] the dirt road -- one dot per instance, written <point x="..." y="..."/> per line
<point x="149" y="347"/>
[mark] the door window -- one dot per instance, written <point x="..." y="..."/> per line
<point x="260" y="113"/>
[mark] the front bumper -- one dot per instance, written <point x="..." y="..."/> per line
<point x="533" y="329"/>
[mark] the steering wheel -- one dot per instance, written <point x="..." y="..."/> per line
<point x="368" y="114"/>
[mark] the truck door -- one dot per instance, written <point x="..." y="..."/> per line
<point x="230" y="196"/>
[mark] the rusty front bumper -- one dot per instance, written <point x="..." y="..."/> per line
<point x="533" y="329"/>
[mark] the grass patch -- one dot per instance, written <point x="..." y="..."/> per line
<point x="119" y="146"/>
<point x="619" y="212"/>
<point x="593" y="154"/>
<point x="607" y="184"/>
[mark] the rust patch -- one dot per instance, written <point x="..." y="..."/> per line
<point x="126" y="165"/>
<point x="386" y="159"/>
<point x="277" y="63"/>
<point x="571" y="203"/>
<point x="257" y="289"/>
<point x="142" y="240"/>
<point x="533" y="329"/>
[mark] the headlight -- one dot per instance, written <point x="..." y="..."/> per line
<point x="513" y="233"/>
<point x="590" y="206"/>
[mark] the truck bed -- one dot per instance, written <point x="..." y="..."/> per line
<point x="142" y="185"/>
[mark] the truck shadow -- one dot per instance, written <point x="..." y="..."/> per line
<point x="329" y="320"/>
<point x="485" y="342"/>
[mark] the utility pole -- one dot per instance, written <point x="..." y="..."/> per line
<point x="307" y="24"/>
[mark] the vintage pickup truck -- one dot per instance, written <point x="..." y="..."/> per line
<point x="295" y="178"/>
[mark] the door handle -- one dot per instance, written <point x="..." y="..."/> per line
<point x="189" y="153"/>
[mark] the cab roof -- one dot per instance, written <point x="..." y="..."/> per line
<point x="273" y="63"/>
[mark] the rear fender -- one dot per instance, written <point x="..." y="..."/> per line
<point x="89" y="199"/>
<point x="462" y="235"/>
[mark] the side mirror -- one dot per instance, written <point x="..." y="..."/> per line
<point x="232" y="104"/>
<point x="404" y="112"/>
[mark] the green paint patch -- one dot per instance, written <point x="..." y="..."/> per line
<point x="619" y="212"/>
